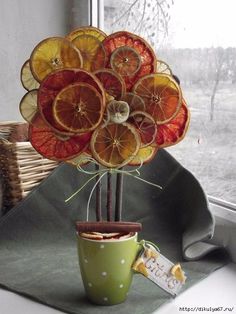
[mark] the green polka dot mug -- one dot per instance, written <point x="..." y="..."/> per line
<point x="106" y="268"/>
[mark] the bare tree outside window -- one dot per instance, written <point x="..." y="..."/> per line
<point x="200" y="48"/>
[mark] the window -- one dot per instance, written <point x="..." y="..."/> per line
<point x="196" y="39"/>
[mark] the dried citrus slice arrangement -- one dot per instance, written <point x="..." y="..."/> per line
<point x="105" y="100"/>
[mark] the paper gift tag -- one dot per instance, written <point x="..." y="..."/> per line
<point x="156" y="267"/>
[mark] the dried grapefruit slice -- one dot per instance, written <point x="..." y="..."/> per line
<point x="175" y="130"/>
<point x="52" y="54"/>
<point x="161" y="94"/>
<point x="125" y="61"/>
<point x="55" y="146"/>
<point x="163" y="67"/>
<point x="114" y="145"/>
<point x="27" y="79"/>
<point x="144" y="155"/>
<point x="112" y="82"/>
<point x="28" y="105"/>
<point x="141" y="47"/>
<point x="78" y="108"/>
<point x="145" y="125"/>
<point x="54" y="83"/>
<point x="135" y="102"/>
<point x="87" y="30"/>
<point x="92" y="52"/>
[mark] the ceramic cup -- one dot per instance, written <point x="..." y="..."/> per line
<point x="106" y="268"/>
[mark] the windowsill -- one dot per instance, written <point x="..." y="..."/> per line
<point x="207" y="293"/>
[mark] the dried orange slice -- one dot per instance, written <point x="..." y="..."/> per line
<point x="161" y="94"/>
<point x="52" y="54"/>
<point x="53" y="145"/>
<point x="144" y="155"/>
<point x="125" y="61"/>
<point x="112" y="82"/>
<point x="78" y="108"/>
<point x="145" y="125"/>
<point x="135" y="102"/>
<point x="27" y="79"/>
<point x="114" y="145"/>
<point x="92" y="52"/>
<point x="141" y="47"/>
<point x="175" y="130"/>
<point x="163" y="67"/>
<point x="28" y="105"/>
<point x="87" y="30"/>
<point x="54" y="83"/>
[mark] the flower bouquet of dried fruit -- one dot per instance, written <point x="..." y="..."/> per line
<point x="108" y="101"/>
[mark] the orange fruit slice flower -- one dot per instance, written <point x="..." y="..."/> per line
<point x="54" y="83"/>
<point x="144" y="155"/>
<point x="28" y="105"/>
<point x="27" y="79"/>
<point x="161" y="94"/>
<point x="112" y="82"/>
<point x="52" y="54"/>
<point x="78" y="108"/>
<point x="87" y="30"/>
<point x="92" y="52"/>
<point x="175" y="130"/>
<point x="114" y="145"/>
<point x="145" y="125"/>
<point x="141" y="47"/>
<point x="53" y="145"/>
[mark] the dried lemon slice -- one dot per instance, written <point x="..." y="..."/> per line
<point x="118" y="111"/>
<point x="27" y="78"/>
<point x="28" y="105"/>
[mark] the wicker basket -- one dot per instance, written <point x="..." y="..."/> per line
<point x="22" y="168"/>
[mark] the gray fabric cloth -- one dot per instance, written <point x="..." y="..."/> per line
<point x="38" y="255"/>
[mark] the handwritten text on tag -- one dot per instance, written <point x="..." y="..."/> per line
<point x="160" y="270"/>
